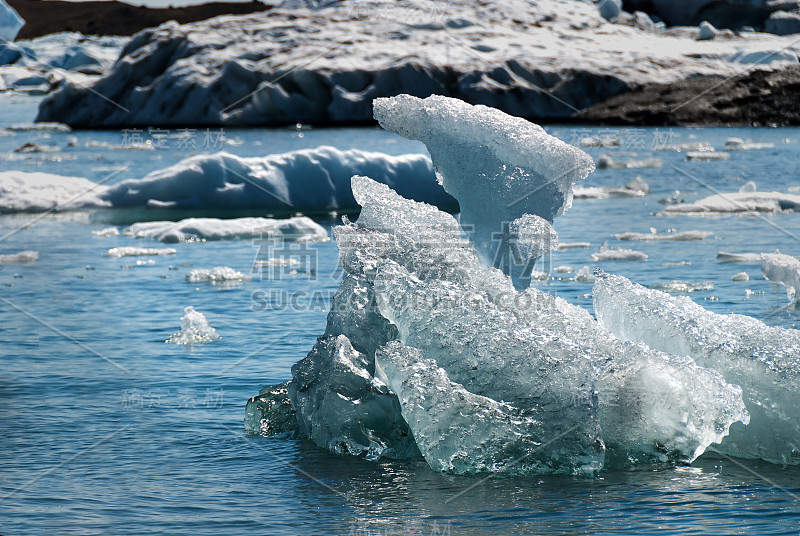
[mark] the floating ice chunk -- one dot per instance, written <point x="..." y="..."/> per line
<point x="607" y="162"/>
<point x="43" y="126"/>
<point x="308" y="180"/>
<point x="706" y="156"/>
<point x="700" y="146"/>
<point x="741" y="276"/>
<point x="584" y="275"/>
<point x="10" y="22"/>
<point x="748" y="187"/>
<point x="217" y="275"/>
<point x="739" y="202"/>
<point x="138" y="252"/>
<point x="299" y="228"/>
<point x="763" y="360"/>
<point x="106" y="232"/>
<point x="597" y="141"/>
<point x="22" y="191"/>
<point x="745" y="258"/>
<point x="706" y="31"/>
<point x="683" y="286"/>
<point x="681" y="236"/>
<point x="23" y="257"/>
<point x="481" y="153"/>
<point x="738" y="144"/>
<point x="194" y="329"/>
<point x="600" y="192"/>
<point x="563" y="269"/>
<point x="783" y="269"/>
<point x="606" y="253"/>
<point x="460" y="432"/>
<point x="572" y="245"/>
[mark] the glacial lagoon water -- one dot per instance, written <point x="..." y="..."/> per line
<point x="105" y="429"/>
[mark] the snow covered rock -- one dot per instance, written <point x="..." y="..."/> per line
<point x="267" y="69"/>
<point x="299" y="228"/>
<point x="783" y="23"/>
<point x="764" y="361"/>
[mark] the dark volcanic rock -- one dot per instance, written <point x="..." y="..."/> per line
<point x="43" y="17"/>
<point x="761" y="98"/>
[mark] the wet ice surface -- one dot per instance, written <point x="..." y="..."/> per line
<point x="172" y="446"/>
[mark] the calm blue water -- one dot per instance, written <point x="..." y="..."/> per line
<point x="104" y="429"/>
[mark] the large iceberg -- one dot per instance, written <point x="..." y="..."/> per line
<point x="268" y="69"/>
<point x="763" y="360"/>
<point x="311" y="181"/>
<point x="430" y="351"/>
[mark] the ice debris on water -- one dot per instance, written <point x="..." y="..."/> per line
<point x="194" y="329"/>
<point x="764" y="361"/>
<point x="22" y="257"/>
<point x="130" y="251"/>
<point x="654" y="235"/>
<point x="217" y="275"/>
<point x="783" y="269"/>
<point x="740" y="276"/>
<point x="606" y="253"/>
<point x="431" y="350"/>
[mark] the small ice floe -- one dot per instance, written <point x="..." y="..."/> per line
<point x="685" y="147"/>
<point x="598" y="141"/>
<point x="746" y="200"/>
<point x="563" y="269"/>
<point x="741" y="276"/>
<point x="22" y="191"/>
<point x="783" y="269"/>
<point x="742" y="258"/>
<point x="677" y="263"/>
<point x="607" y="162"/>
<point x="23" y="257"/>
<point x="146" y="145"/>
<point x="31" y="147"/>
<point x="636" y="187"/>
<point x="706" y="156"/>
<point x="298" y="229"/>
<point x="618" y="254"/>
<point x="584" y="275"/>
<point x="138" y="252"/>
<point x="106" y="232"/>
<point x="217" y="275"/>
<point x="44" y="126"/>
<point x="678" y="287"/>
<point x="573" y="245"/>
<point x="738" y="144"/>
<point x="683" y="236"/>
<point x="194" y="329"/>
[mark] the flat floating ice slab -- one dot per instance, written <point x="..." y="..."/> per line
<point x="299" y="229"/>
<point x="739" y="202"/>
<point x="129" y="251"/>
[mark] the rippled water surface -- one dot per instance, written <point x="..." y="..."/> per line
<point x="105" y="429"/>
